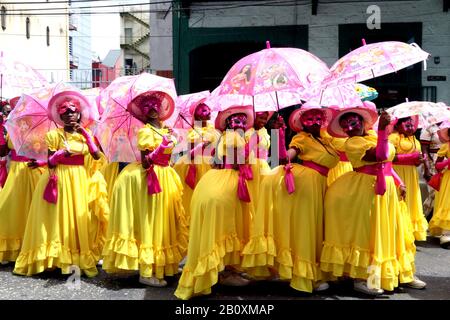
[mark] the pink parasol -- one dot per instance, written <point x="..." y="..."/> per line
<point x="120" y="122"/>
<point x="374" y="60"/>
<point x="273" y="78"/>
<point x="17" y="77"/>
<point x="428" y="113"/>
<point x="182" y="118"/>
<point x="30" y="120"/>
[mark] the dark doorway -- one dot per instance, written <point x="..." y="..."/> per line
<point x="392" y="88"/>
<point x="211" y="62"/>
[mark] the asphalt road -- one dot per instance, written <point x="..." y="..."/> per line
<point x="432" y="262"/>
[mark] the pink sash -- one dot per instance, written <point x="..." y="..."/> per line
<point x="380" y="170"/>
<point x="343" y="157"/>
<point x="15" y="157"/>
<point x="51" y="189"/>
<point x="245" y="173"/>
<point x="3" y="173"/>
<point x="319" y="168"/>
<point x="191" y="176"/>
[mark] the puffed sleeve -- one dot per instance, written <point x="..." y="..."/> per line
<point x="52" y="139"/>
<point x="443" y="150"/>
<point x="146" y="139"/>
<point x="394" y="138"/>
<point x="298" y="142"/>
<point x="356" y="148"/>
<point x="230" y="140"/>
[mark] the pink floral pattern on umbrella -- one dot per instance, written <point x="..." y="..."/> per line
<point x="375" y="60"/>
<point x="29" y="122"/>
<point x="17" y="77"/>
<point x="428" y="113"/>
<point x="274" y="77"/>
<point x="120" y="122"/>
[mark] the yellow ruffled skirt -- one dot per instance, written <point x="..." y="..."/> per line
<point x="341" y="168"/>
<point x="287" y="230"/>
<point x="203" y="165"/>
<point x="146" y="232"/>
<point x="441" y="216"/>
<point x="15" y="201"/>
<point x="410" y="178"/>
<point x="216" y="232"/>
<point x="70" y="232"/>
<point x="367" y="236"/>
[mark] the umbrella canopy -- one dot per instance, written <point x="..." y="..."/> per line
<point x="274" y="78"/>
<point x="16" y="77"/>
<point x="429" y="113"/>
<point x="121" y="120"/>
<point x="374" y="60"/>
<point x="30" y="120"/>
<point x="185" y="105"/>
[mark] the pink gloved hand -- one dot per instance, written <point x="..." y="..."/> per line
<point x="398" y="181"/>
<point x="441" y="165"/>
<point x="410" y="158"/>
<point x="89" y="140"/>
<point x="55" y="158"/>
<point x="382" y="148"/>
<point x="282" y="154"/>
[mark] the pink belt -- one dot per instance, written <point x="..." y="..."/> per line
<point x="15" y="157"/>
<point x="312" y="165"/>
<point x="76" y="160"/>
<point x="343" y="157"/>
<point x="380" y="170"/>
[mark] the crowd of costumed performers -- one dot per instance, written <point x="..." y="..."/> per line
<point x="341" y="201"/>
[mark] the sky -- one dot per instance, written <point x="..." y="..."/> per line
<point x="106" y="27"/>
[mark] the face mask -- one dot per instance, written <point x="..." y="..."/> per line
<point x="312" y="119"/>
<point x="238" y="122"/>
<point x="351" y="123"/>
<point x="202" y="112"/>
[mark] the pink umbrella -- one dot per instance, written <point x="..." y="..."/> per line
<point x="274" y="78"/>
<point x="17" y="77"/>
<point x="118" y="127"/>
<point x="29" y="121"/>
<point x="342" y="97"/>
<point x="374" y="60"/>
<point x="182" y="117"/>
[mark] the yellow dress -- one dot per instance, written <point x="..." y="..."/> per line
<point x="441" y="216"/>
<point x="217" y="229"/>
<point x="202" y="163"/>
<point x="410" y="177"/>
<point x="110" y="172"/>
<point x="146" y="232"/>
<point x="15" y="200"/>
<point x="287" y="230"/>
<point x="364" y="232"/>
<point x="342" y="166"/>
<point x="70" y="232"/>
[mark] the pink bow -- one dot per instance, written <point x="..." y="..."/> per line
<point x="153" y="185"/>
<point x="51" y="190"/>
<point x="289" y="178"/>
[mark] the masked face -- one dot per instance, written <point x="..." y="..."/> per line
<point x="237" y="121"/>
<point x="261" y="119"/>
<point x="202" y="112"/>
<point x="312" y="119"/>
<point x="352" y="124"/>
<point x="407" y="127"/>
<point x="70" y="116"/>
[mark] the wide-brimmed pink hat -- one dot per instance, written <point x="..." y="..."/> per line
<point x="13" y="102"/>
<point x="295" y="122"/>
<point x="368" y="111"/>
<point x="223" y="115"/>
<point x="55" y="104"/>
<point x="162" y="101"/>
<point x="443" y="131"/>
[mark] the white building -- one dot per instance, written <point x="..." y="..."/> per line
<point x="40" y="41"/>
<point x="209" y="36"/>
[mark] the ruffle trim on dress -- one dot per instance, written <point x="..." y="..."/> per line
<point x="259" y="251"/>
<point x="420" y="227"/>
<point x="52" y="255"/>
<point x="99" y="209"/>
<point x="440" y="221"/>
<point x="358" y="263"/>
<point x="124" y="254"/>
<point x="199" y="280"/>
<point x="9" y="249"/>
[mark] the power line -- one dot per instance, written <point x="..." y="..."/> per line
<point x="86" y="7"/>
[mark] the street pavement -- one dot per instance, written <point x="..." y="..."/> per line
<point x="432" y="263"/>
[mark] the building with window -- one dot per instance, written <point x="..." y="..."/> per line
<point x="34" y="38"/>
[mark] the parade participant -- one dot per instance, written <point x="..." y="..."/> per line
<point x="21" y="180"/>
<point x="219" y="211"/>
<point x="408" y="156"/>
<point x="440" y="222"/>
<point x="202" y="139"/>
<point x="147" y="229"/>
<point x="366" y="233"/>
<point x="69" y="210"/>
<point x="287" y="230"/>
